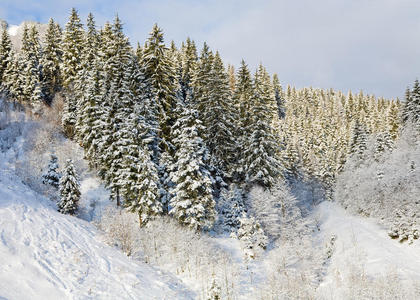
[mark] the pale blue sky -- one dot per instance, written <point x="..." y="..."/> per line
<point x="372" y="45"/>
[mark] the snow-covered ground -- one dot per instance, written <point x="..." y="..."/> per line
<point x="47" y="255"/>
<point x="364" y="246"/>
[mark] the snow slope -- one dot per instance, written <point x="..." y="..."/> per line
<point x="46" y="255"/>
<point x="362" y="243"/>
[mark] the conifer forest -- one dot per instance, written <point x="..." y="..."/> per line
<point x="192" y="178"/>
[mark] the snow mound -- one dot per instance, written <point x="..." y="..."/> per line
<point x="47" y="255"/>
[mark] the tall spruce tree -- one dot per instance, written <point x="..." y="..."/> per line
<point x="31" y="69"/>
<point x="411" y="108"/>
<point x="120" y="102"/>
<point x="219" y="116"/>
<point x="358" y="143"/>
<point x="146" y="198"/>
<point x="159" y="69"/>
<point x="278" y="95"/>
<point x="201" y="82"/>
<point x="51" y="61"/>
<point x="72" y="47"/>
<point x="243" y="97"/>
<point x="89" y="59"/>
<point x="192" y="204"/>
<point x="188" y="64"/>
<point x="5" y="56"/>
<point x="69" y="190"/>
<point x="260" y="149"/>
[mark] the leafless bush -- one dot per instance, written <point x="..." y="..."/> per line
<point x="122" y="229"/>
<point x="164" y="243"/>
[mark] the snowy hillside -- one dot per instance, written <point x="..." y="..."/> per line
<point x="364" y="248"/>
<point x="161" y="172"/>
<point x="47" y="255"/>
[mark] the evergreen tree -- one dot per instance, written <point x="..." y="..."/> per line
<point x="201" y="81"/>
<point x="231" y="206"/>
<point x="260" y="155"/>
<point x="358" y="143"/>
<point x="89" y="61"/>
<point x="411" y="108"/>
<point x="188" y="64"/>
<point x="278" y="95"/>
<point x="52" y="176"/>
<point x="120" y="101"/>
<point x="145" y="199"/>
<point x="159" y="69"/>
<point x="5" y="56"/>
<point x="69" y="190"/>
<point x="31" y="69"/>
<point x="215" y="291"/>
<point x="393" y="120"/>
<point x="51" y="61"/>
<point x="383" y="143"/>
<point x="160" y="73"/>
<point x="90" y="129"/>
<point x="251" y="236"/>
<point x="12" y="84"/>
<point x="192" y="203"/>
<point x="243" y="97"/>
<point x="219" y="116"/>
<point x="72" y="47"/>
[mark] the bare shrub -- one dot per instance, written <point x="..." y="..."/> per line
<point x="122" y="229"/>
<point x="164" y="243"/>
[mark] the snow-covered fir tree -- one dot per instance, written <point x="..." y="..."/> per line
<point x="145" y="200"/>
<point x="192" y="204"/>
<point x="52" y="176"/>
<point x="72" y="54"/>
<point x="260" y="157"/>
<point x="358" y="143"/>
<point x="31" y="69"/>
<point x="159" y="69"/>
<point x="89" y="61"/>
<point x="230" y="207"/>
<point x="188" y="65"/>
<point x="51" y="60"/>
<point x="5" y="55"/>
<point x="215" y="291"/>
<point x="69" y="190"/>
<point x="252" y="236"/>
<point x="72" y="47"/>
<point x="278" y="95"/>
<point x="243" y="95"/>
<point x="383" y="143"/>
<point x="219" y="115"/>
<point x="411" y="108"/>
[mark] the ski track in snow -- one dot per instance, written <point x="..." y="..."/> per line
<point x="47" y="255"/>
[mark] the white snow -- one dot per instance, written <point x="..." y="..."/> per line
<point x="13" y="30"/>
<point x="362" y="241"/>
<point x="47" y="255"/>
